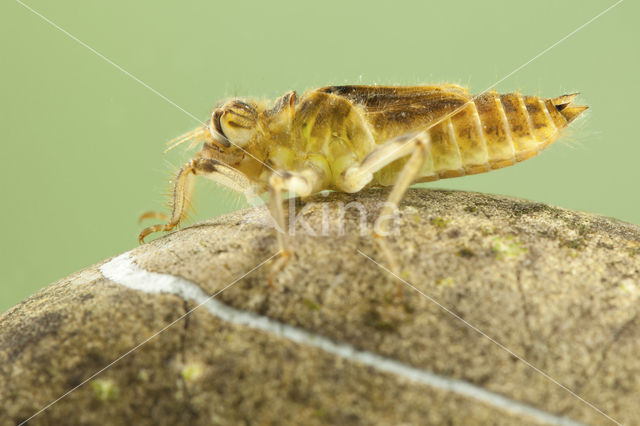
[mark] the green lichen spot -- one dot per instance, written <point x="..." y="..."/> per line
<point x="576" y="244"/>
<point x="528" y="208"/>
<point x="105" y="389"/>
<point x="143" y="375"/>
<point x="311" y="305"/>
<point x="445" y="282"/>
<point x="633" y="251"/>
<point x="628" y="286"/>
<point x="487" y="231"/>
<point x="192" y="371"/>
<point x="506" y="247"/>
<point x="439" y="222"/>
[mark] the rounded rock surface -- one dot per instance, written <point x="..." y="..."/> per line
<point x="498" y="286"/>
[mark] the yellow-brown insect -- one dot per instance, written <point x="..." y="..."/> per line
<point x="346" y="138"/>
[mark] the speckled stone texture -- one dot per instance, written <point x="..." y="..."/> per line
<point x="558" y="288"/>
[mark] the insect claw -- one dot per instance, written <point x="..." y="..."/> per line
<point x="152" y="229"/>
<point x="142" y="235"/>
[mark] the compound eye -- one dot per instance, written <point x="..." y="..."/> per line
<point x="216" y="129"/>
<point x="238" y="122"/>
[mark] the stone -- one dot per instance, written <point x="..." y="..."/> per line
<point x="506" y="312"/>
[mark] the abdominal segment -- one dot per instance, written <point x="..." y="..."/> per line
<point x="490" y="132"/>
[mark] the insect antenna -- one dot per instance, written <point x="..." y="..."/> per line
<point x="194" y="137"/>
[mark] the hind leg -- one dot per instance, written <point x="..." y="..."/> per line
<point x="358" y="176"/>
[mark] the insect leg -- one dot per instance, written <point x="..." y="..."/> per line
<point x="303" y="184"/>
<point x="358" y="176"/>
<point x="405" y="179"/>
<point x="183" y="188"/>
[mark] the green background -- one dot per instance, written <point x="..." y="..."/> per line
<point x="82" y="141"/>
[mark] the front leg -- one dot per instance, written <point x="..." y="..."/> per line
<point x="303" y="184"/>
<point x="183" y="189"/>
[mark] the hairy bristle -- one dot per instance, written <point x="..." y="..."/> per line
<point x="194" y="136"/>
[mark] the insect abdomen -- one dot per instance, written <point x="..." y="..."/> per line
<point x="496" y="131"/>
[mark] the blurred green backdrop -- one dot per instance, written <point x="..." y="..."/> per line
<point x="82" y="142"/>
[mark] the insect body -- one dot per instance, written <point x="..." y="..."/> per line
<point x="346" y="138"/>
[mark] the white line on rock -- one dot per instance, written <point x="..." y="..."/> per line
<point x="122" y="270"/>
